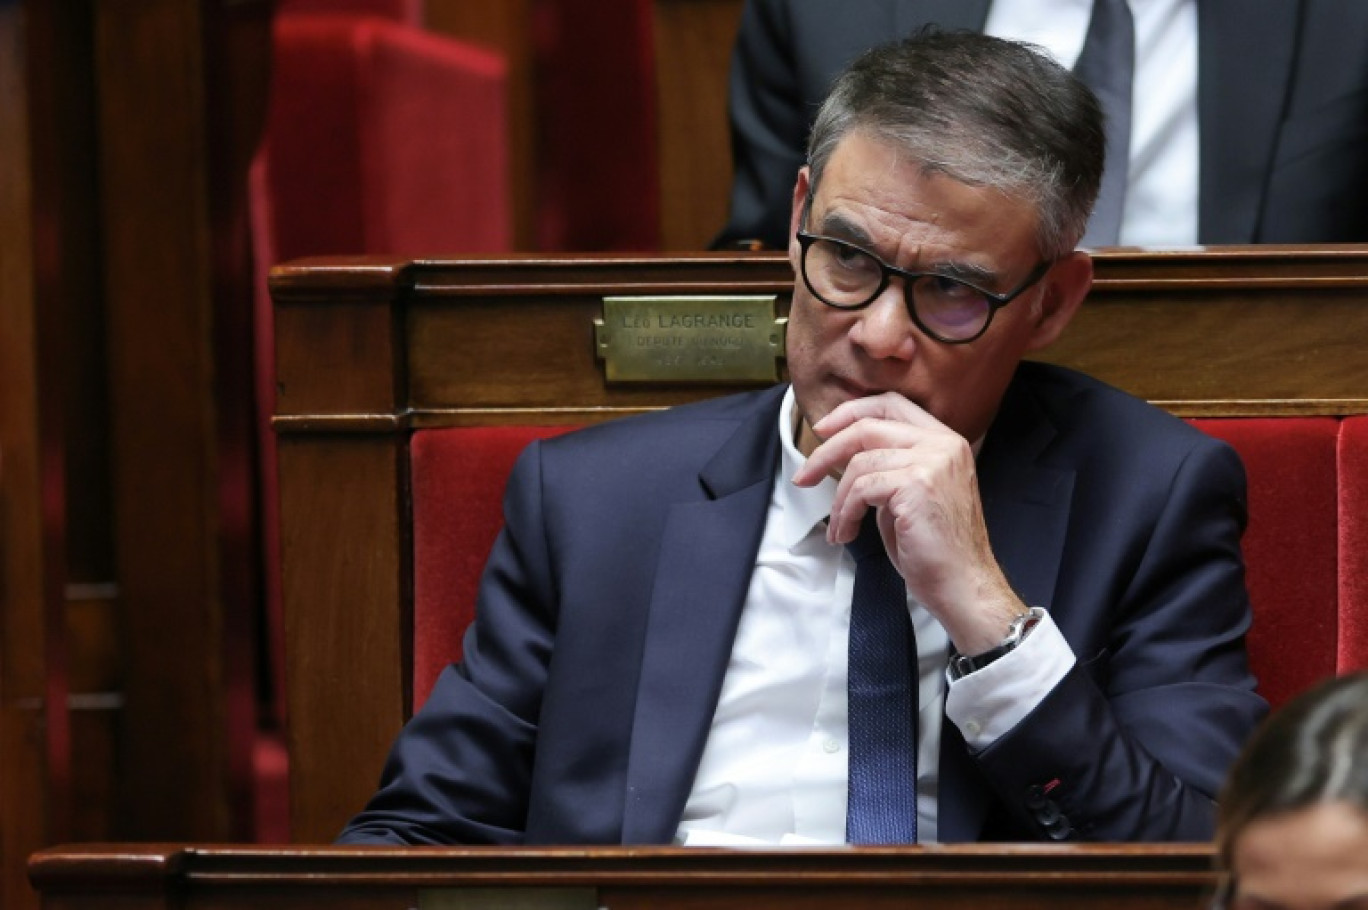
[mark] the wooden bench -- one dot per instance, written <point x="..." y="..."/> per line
<point x="407" y="384"/>
<point x="1015" y="877"/>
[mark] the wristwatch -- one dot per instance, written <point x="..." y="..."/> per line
<point x="962" y="665"/>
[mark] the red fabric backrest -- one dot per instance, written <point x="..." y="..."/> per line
<point x="1353" y="545"/>
<point x="384" y="138"/>
<point x="1290" y="547"/>
<point x="1300" y="519"/>
<point x="458" y="478"/>
<point x="596" y="124"/>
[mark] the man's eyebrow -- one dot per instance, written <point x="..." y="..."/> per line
<point x="977" y="275"/>
<point x="839" y="227"/>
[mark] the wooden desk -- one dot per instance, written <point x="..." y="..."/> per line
<point x="339" y="878"/>
<point x="370" y="350"/>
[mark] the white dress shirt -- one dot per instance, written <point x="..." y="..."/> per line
<point x="773" y="769"/>
<point x="1161" y="196"/>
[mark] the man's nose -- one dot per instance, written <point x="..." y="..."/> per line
<point x="885" y="329"/>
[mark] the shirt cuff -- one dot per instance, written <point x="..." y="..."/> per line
<point x="987" y="703"/>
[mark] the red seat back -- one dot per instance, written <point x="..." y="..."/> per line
<point x="1308" y="504"/>
<point x="1353" y="545"/>
<point x="458" y="479"/>
<point x="1291" y="546"/>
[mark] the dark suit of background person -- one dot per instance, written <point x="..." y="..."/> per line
<point x="1282" y="101"/>
<point x="611" y="601"/>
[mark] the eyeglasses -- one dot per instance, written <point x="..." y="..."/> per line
<point x="848" y="277"/>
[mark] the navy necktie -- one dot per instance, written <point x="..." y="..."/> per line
<point x="1107" y="66"/>
<point x="882" y="693"/>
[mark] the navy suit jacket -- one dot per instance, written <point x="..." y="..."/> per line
<point x="611" y="599"/>
<point x="1282" y="100"/>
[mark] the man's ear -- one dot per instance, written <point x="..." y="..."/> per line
<point x="1066" y="285"/>
<point x="800" y="194"/>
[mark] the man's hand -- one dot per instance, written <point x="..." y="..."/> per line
<point x="891" y="455"/>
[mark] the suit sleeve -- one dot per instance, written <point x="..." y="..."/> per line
<point x="459" y="772"/>
<point x="769" y="125"/>
<point x="1134" y="742"/>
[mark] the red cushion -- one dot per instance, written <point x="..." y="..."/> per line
<point x="1290" y="547"/>
<point x="458" y="481"/>
<point x="1353" y="527"/>
<point x="383" y="138"/>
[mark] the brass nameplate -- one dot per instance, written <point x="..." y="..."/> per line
<point x="515" y="898"/>
<point x="690" y="339"/>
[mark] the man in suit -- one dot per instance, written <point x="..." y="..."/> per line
<point x="667" y="628"/>
<point x="1245" y="128"/>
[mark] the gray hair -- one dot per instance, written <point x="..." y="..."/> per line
<point x="984" y="111"/>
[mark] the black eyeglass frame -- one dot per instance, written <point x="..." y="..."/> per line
<point x="995" y="301"/>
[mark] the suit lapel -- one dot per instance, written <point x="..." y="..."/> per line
<point x="948" y="14"/>
<point x="707" y="555"/>
<point x="1025" y="500"/>
<point x="1242" y="79"/>
<point x="1026" y="505"/>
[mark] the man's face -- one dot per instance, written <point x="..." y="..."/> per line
<point x="872" y="196"/>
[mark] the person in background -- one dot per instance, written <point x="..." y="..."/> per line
<point x="1293" y="824"/>
<point x="925" y="591"/>
<point x="1242" y="128"/>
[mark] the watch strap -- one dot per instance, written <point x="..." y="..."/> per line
<point x="962" y="665"/>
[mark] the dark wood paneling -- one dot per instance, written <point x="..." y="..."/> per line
<point x="154" y="165"/>
<point x="34" y="744"/>
<point x="340" y="357"/>
<point x="237" y="74"/>
<point x="67" y="272"/>
<point x="173" y="151"/>
<point x="95" y="705"/>
<point x="357" y="640"/>
<point x="1265" y="325"/>
<point x="122" y="237"/>
<point x="1011" y="877"/>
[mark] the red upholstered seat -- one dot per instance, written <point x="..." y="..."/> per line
<point x="1353" y="545"/>
<point x="1290" y="547"/>
<point x="1306" y="548"/>
<point x="458" y="479"/>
